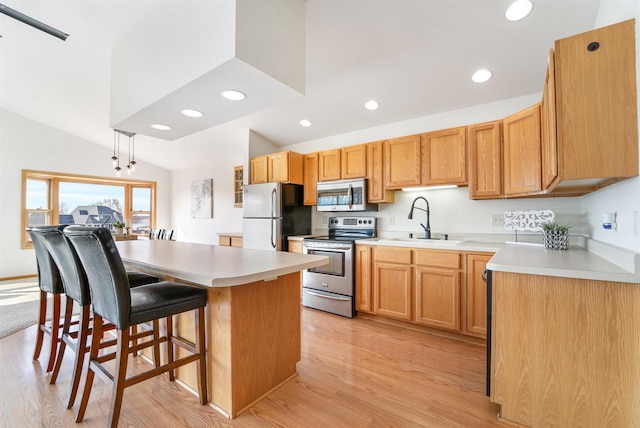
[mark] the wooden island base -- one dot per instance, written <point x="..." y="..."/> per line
<point x="253" y="341"/>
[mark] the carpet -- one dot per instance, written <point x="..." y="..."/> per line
<point x="19" y="304"/>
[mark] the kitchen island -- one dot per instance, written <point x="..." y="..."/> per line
<point x="253" y="313"/>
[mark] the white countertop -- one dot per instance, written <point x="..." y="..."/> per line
<point x="603" y="262"/>
<point x="234" y="234"/>
<point x="212" y="265"/>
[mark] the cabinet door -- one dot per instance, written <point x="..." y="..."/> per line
<point x="354" y="161"/>
<point x="485" y="161"/>
<point x="521" y="152"/>
<point x="392" y="290"/>
<point x="549" y="141"/>
<point x="329" y="165"/>
<point x="375" y="174"/>
<point x="364" y="290"/>
<point x="278" y="167"/>
<point x="295" y="246"/>
<point x="437" y="301"/>
<point x="237" y="186"/>
<point x="476" y="296"/>
<point x="402" y="162"/>
<point x="444" y="157"/>
<point x="596" y="103"/>
<point x="224" y="241"/>
<point x="236" y="241"/>
<point x="310" y="169"/>
<point x="259" y="170"/>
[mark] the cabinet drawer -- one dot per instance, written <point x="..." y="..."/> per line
<point x="393" y="255"/>
<point x="446" y="259"/>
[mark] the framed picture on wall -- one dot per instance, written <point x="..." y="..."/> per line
<point x="202" y="198"/>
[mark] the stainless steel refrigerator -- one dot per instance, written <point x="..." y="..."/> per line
<point x="271" y="213"/>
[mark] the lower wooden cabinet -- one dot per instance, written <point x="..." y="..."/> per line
<point x="295" y="246"/>
<point x="437" y="299"/>
<point x="475" y="296"/>
<point x="364" y="283"/>
<point x="230" y="240"/>
<point x="392" y="290"/>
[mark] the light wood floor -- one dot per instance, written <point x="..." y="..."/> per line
<point x="353" y="373"/>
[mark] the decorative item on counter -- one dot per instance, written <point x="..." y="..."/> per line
<point x="555" y="236"/>
<point x="609" y="221"/>
<point x="530" y="220"/>
<point x="119" y="226"/>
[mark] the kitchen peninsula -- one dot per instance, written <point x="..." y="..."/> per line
<point x="253" y="313"/>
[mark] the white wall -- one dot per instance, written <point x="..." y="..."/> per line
<point x="26" y="144"/>
<point x="226" y="218"/>
<point x="622" y="198"/>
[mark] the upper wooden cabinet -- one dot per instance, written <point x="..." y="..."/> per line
<point x="310" y="167"/>
<point x="549" y="142"/>
<point x="375" y="174"/>
<point x="402" y="162"/>
<point x="284" y="167"/>
<point x="521" y="152"/>
<point x="596" y="108"/>
<point x="485" y="160"/>
<point x="354" y="161"/>
<point x="444" y="157"/>
<point x="329" y="165"/>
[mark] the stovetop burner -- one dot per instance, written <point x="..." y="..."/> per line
<point x="347" y="230"/>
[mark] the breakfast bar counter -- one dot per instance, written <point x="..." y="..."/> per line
<point x="253" y="313"/>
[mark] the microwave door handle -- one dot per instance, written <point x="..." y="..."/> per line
<point x="350" y="196"/>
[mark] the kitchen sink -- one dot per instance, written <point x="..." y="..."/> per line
<point x="426" y="241"/>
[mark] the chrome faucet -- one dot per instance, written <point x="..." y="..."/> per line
<point x="427" y="227"/>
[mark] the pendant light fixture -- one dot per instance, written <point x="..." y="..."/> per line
<point x="131" y="165"/>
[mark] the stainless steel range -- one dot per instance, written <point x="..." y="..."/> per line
<point x="331" y="287"/>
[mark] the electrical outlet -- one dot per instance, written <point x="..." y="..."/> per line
<point x="497" y="220"/>
<point x="325" y="219"/>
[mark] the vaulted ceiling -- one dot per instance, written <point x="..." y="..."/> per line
<point x="414" y="57"/>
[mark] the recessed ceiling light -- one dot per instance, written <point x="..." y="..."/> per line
<point x="371" y="105"/>
<point x="306" y="123"/>
<point x="233" y="95"/>
<point x="191" y="113"/>
<point x="160" y="127"/>
<point x="518" y="10"/>
<point x="481" y="75"/>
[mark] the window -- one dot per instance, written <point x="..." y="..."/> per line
<point x="52" y="198"/>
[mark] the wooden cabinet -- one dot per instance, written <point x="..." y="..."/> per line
<point x="402" y="162"/>
<point x="329" y="162"/>
<point x="310" y="170"/>
<point x="230" y="240"/>
<point x="364" y="283"/>
<point x="238" y="177"/>
<point x="259" y="170"/>
<point x="475" y="296"/>
<point x="444" y="157"/>
<point x="596" y="108"/>
<point x="376" y="190"/>
<point x="283" y="167"/>
<point x="354" y="161"/>
<point x="295" y="246"/>
<point x="565" y="352"/>
<point x="393" y="283"/>
<point x="521" y="152"/>
<point x="485" y="160"/>
<point x="549" y="142"/>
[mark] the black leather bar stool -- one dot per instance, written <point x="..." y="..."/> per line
<point x="76" y="289"/>
<point x="49" y="282"/>
<point x="114" y="300"/>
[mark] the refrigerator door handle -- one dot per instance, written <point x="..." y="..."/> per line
<point x="273" y="214"/>
<point x="350" y="196"/>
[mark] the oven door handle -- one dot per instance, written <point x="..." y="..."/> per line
<point x="342" y="299"/>
<point x="320" y="248"/>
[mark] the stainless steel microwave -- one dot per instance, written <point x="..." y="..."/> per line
<point x="344" y="195"/>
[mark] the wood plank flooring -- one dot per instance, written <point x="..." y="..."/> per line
<point x="353" y="373"/>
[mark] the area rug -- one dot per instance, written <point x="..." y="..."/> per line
<point x="19" y="303"/>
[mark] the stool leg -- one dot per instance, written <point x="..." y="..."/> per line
<point x="201" y="364"/>
<point x="66" y="325"/>
<point x="119" y="377"/>
<point x="42" y="318"/>
<point x="156" y="347"/>
<point x="81" y="351"/>
<point x="172" y="373"/>
<point x="55" y="328"/>
<point x="96" y="335"/>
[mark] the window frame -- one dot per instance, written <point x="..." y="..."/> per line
<point x="53" y="180"/>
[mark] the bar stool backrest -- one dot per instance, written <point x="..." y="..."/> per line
<point x="49" y="278"/>
<point x="108" y="282"/>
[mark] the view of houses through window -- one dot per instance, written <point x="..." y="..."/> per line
<point x="60" y="199"/>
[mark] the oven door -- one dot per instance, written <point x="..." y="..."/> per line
<point x="337" y="275"/>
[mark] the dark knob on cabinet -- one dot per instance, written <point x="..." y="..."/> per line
<point x="593" y="46"/>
